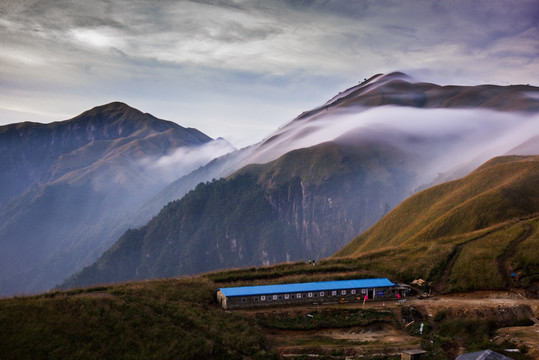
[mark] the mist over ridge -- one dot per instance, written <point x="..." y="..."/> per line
<point x="329" y="173"/>
<point x="67" y="183"/>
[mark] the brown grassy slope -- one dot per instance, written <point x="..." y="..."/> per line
<point x="502" y="189"/>
<point x="463" y="235"/>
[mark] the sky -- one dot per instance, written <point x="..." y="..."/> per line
<point x="241" y="69"/>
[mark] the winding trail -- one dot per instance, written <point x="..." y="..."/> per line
<point x="442" y="285"/>
<point x="511" y="250"/>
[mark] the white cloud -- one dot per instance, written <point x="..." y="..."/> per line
<point x="183" y="160"/>
<point x="454" y="137"/>
<point x="98" y="37"/>
<point x="285" y="53"/>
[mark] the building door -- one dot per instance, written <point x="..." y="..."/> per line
<point x="370" y="294"/>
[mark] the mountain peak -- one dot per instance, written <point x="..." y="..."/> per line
<point x="118" y="117"/>
<point x="111" y="111"/>
<point x="398" y="89"/>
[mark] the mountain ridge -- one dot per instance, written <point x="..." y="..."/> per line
<point x="484" y="223"/>
<point x="313" y="198"/>
<point x="64" y="179"/>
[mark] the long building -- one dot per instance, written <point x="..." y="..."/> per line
<point x="312" y="292"/>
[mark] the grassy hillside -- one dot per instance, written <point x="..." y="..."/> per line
<point x="477" y="229"/>
<point x="180" y="319"/>
<point x="169" y="319"/>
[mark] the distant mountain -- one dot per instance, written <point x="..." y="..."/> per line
<point x="397" y="101"/>
<point x="62" y="179"/>
<point x="303" y="205"/>
<point x="324" y="178"/>
<point x="472" y="232"/>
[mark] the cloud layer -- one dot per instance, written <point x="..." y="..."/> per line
<point x="239" y="69"/>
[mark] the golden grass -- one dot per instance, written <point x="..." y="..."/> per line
<point x="481" y="212"/>
<point x="504" y="190"/>
<point x="476" y="266"/>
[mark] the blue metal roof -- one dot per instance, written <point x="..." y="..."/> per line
<point x="306" y="287"/>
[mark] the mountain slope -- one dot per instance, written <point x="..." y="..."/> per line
<point x="471" y="227"/>
<point x="397" y="100"/>
<point x="42" y="153"/>
<point x="263" y="214"/>
<point x="310" y="201"/>
<point x="65" y="178"/>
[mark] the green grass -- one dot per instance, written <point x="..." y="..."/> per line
<point x="476" y="267"/>
<point x="327" y="318"/>
<point x="472" y="335"/>
<point x="169" y="319"/>
<point x="525" y="262"/>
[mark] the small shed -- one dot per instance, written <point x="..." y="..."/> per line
<point x="415" y="354"/>
<point x="483" y="355"/>
<point x="312" y="292"/>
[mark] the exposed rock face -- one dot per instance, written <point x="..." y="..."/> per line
<point x="307" y="204"/>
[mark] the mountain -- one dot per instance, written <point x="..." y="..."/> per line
<point x="397" y="101"/>
<point x="62" y="180"/>
<point x="323" y="178"/>
<point x="263" y="214"/>
<point x="472" y="232"/>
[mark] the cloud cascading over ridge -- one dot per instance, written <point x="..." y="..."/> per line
<point x="239" y="69"/>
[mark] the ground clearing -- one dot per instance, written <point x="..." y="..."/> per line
<point x="391" y="337"/>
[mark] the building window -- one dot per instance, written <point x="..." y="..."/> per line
<point x="353" y="292"/>
<point x="310" y="294"/>
<point x="280" y="297"/>
<point x="333" y="293"/>
<point x="299" y="296"/>
<point x="343" y="292"/>
<point x="363" y="291"/>
<point x="274" y="297"/>
<point x="255" y="299"/>
<point x="243" y="300"/>
<point x="315" y="294"/>
<point x="286" y="296"/>
<point x="293" y="296"/>
<point x="321" y="293"/>
<point x="262" y="298"/>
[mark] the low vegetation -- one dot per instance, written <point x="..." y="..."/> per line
<point x="168" y="319"/>
<point x="325" y="318"/>
<point x="450" y="334"/>
<point x="476" y="231"/>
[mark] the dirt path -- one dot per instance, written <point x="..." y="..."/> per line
<point x="351" y="341"/>
<point x="499" y="305"/>
<point x="442" y="285"/>
<point x="511" y="250"/>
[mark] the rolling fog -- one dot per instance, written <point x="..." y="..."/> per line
<point x="446" y="140"/>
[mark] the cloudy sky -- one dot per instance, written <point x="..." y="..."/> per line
<point x="240" y="69"/>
